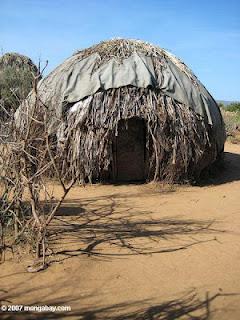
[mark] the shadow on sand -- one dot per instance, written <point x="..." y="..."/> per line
<point x="189" y="306"/>
<point x="227" y="170"/>
<point x="109" y="227"/>
<point x="110" y="220"/>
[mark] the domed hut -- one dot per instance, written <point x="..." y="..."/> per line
<point x="130" y="111"/>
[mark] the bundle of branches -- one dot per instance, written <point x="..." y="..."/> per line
<point x="12" y="211"/>
<point x="27" y="204"/>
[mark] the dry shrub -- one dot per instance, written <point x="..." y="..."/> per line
<point x="232" y="125"/>
<point x="28" y="156"/>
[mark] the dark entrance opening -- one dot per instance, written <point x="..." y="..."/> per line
<point x="129" y="150"/>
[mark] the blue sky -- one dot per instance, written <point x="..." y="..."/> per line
<point x="204" y="34"/>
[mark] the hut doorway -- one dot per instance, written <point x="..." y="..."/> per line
<point x="129" y="150"/>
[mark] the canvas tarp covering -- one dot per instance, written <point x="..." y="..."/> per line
<point x="138" y="71"/>
<point x="77" y="79"/>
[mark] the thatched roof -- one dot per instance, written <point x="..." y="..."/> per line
<point x="119" y="79"/>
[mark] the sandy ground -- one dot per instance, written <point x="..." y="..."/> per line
<point x="139" y="252"/>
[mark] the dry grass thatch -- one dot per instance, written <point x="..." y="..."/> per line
<point x="176" y="137"/>
<point x="180" y="142"/>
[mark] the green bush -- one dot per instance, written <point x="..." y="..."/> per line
<point x="16" y="80"/>
<point x="14" y="86"/>
<point x="233" y="107"/>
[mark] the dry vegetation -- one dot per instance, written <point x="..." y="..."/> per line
<point x="23" y="213"/>
<point x="28" y="156"/>
<point x="231" y="117"/>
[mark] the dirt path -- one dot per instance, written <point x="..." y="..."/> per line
<point x="139" y="252"/>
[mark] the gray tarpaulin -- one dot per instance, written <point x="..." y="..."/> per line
<point x="77" y="79"/>
<point x="138" y="71"/>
